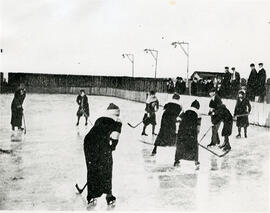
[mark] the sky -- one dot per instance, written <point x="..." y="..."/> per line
<point x="89" y="36"/>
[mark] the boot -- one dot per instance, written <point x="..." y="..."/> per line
<point x="245" y="129"/>
<point x="176" y="163"/>
<point x="110" y="199"/>
<point x="211" y="144"/>
<point x="153" y="130"/>
<point x="226" y="141"/>
<point x="227" y="146"/>
<point x="197" y="165"/>
<point x="154" y="152"/>
<point x="239" y="133"/>
<point x="143" y="132"/>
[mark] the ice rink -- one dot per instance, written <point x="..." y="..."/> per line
<point x="43" y="169"/>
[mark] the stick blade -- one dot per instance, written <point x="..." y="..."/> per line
<point x="131" y="125"/>
<point x="77" y="187"/>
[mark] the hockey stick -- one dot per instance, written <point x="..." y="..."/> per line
<point x="24" y="123"/>
<point x="5" y="151"/>
<point x="134" y="126"/>
<point x="236" y="116"/>
<point x="209" y="149"/>
<point x="80" y="190"/>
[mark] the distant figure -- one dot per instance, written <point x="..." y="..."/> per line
<point x="225" y="84"/>
<point x="261" y="80"/>
<point x="252" y="83"/>
<point x="209" y="85"/>
<point x="17" y="108"/>
<point x="235" y="82"/>
<point x="170" y="86"/>
<point x="187" y="137"/>
<point x="180" y="85"/>
<point x="222" y="114"/>
<point x="241" y="111"/>
<point x="152" y="105"/>
<point x="194" y="87"/>
<point x="99" y="144"/>
<point x="167" y="132"/>
<point x="83" y="109"/>
<point x="215" y="101"/>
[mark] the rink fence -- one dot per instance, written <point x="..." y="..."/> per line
<point x="124" y="87"/>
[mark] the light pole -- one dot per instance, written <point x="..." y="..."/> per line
<point x="131" y="58"/>
<point x="154" y="53"/>
<point x="186" y="52"/>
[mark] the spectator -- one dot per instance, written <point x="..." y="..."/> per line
<point x="180" y="86"/>
<point x="261" y="78"/>
<point x="252" y="83"/>
<point x="225" y="85"/>
<point x="170" y="86"/>
<point x="194" y="86"/>
<point x="235" y="82"/>
<point x="209" y="85"/>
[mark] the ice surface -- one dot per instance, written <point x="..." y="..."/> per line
<point x="44" y="168"/>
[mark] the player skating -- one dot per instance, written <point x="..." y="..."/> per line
<point x="187" y="137"/>
<point x="241" y="111"/>
<point x="167" y="132"/>
<point x="215" y="100"/>
<point x="17" y="109"/>
<point x="99" y="144"/>
<point x="83" y="109"/>
<point x="220" y="114"/>
<point x="152" y="106"/>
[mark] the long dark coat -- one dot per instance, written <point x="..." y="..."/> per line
<point x="187" y="137"/>
<point x="214" y="103"/>
<point x="98" y="156"/>
<point x="167" y="132"/>
<point x="222" y="114"/>
<point x="252" y="84"/>
<point x="261" y="79"/>
<point x="17" y="109"/>
<point x="225" y="85"/>
<point x="242" y="107"/>
<point x="83" y="109"/>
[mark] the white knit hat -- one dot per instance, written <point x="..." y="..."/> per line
<point x="112" y="109"/>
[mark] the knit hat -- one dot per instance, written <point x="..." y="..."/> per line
<point x="176" y="96"/>
<point x="195" y="104"/>
<point x="112" y="109"/>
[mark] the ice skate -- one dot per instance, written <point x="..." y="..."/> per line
<point x="197" y="165"/>
<point x="238" y="136"/>
<point x="77" y="124"/>
<point x="86" y="124"/>
<point x="144" y="134"/>
<point x="176" y="164"/>
<point x="227" y="148"/>
<point x="92" y="202"/>
<point x="222" y="145"/>
<point x="211" y="144"/>
<point x="110" y="200"/>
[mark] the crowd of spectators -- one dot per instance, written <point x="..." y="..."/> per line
<point x="226" y="86"/>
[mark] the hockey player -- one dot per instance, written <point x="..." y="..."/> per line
<point x="167" y="132"/>
<point x="83" y="109"/>
<point x="187" y="137"/>
<point x="152" y="105"/>
<point x="241" y="111"/>
<point x="216" y="101"/>
<point x="99" y="144"/>
<point x="222" y="114"/>
<point x="17" y="109"/>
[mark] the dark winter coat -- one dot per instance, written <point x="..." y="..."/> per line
<point x="241" y="108"/>
<point x="187" y="137"/>
<point x="236" y="83"/>
<point x="152" y="105"/>
<point x="17" y="109"/>
<point x="83" y="109"/>
<point x="252" y="84"/>
<point x="222" y="114"/>
<point x="214" y="103"/>
<point x="167" y="132"/>
<point x="194" y="88"/>
<point x="180" y="87"/>
<point x="261" y="79"/>
<point x="225" y="85"/>
<point x="98" y="155"/>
